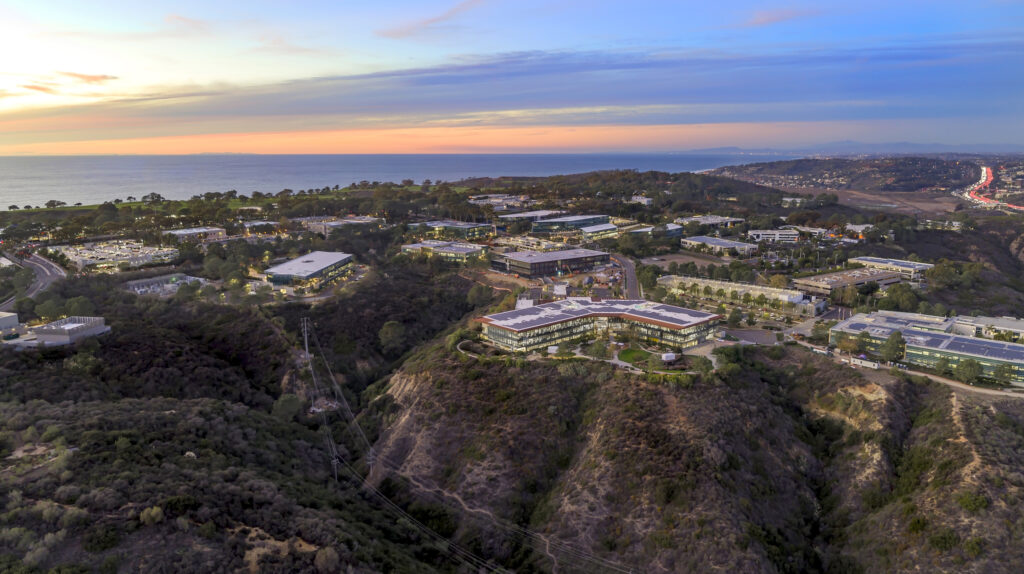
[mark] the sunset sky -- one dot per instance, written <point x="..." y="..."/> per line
<point x="266" y="76"/>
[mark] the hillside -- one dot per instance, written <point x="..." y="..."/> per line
<point x="893" y="174"/>
<point x="791" y="464"/>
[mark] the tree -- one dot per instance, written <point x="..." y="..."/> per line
<point x="942" y="366"/>
<point x="54" y="203"/>
<point x="968" y="371"/>
<point x="848" y="344"/>
<point x="893" y="347"/>
<point x="287" y="407"/>
<point x="49" y="310"/>
<point x="598" y="349"/>
<point x="779" y="281"/>
<point x="1003" y="373"/>
<point x="392" y="337"/>
<point x="13" y="207"/>
<point x="80" y="307"/>
<point x="654" y="362"/>
<point x="735" y="316"/>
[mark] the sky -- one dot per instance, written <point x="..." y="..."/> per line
<point x="504" y="76"/>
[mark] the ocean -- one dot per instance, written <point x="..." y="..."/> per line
<point x="95" y="179"/>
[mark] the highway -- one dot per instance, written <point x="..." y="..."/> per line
<point x="632" y="286"/>
<point x="47" y="272"/>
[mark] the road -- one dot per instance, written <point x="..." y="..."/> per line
<point x="47" y="272"/>
<point x="632" y="286"/>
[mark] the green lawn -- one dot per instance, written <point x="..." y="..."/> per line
<point x="633" y="356"/>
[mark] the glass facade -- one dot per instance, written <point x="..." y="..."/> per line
<point x="565" y="331"/>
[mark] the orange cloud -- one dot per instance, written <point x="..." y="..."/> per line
<point x="481" y="139"/>
<point x="40" y="88"/>
<point x="419" y="26"/>
<point x="89" y="78"/>
<point x="769" y="17"/>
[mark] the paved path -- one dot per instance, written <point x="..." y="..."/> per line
<point x="47" y="272"/>
<point x="632" y="285"/>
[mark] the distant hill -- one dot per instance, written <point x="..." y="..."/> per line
<point x="892" y="174"/>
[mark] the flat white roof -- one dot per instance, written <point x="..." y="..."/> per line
<point x="900" y="263"/>
<point x="545" y="256"/>
<point x="309" y="264"/>
<point x="598" y="228"/>
<point x="192" y="230"/>
<point x="527" y="214"/>
<point x="575" y="308"/>
<point x="719" y="242"/>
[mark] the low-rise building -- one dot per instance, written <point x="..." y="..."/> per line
<point x="811" y="231"/>
<point x="774" y="235"/>
<point x="527" y="243"/>
<point x="197" y="234"/>
<point x="69" y="330"/>
<point x="828" y="283"/>
<point x="8" y="320"/>
<point x="325" y="228"/>
<point x="666" y="230"/>
<point x="110" y="255"/>
<point x="509" y="218"/>
<point x="718" y="245"/>
<point x="451" y="251"/>
<point x="910" y="270"/>
<point x="549" y="324"/>
<point x="260" y="226"/>
<point x="597" y="232"/>
<point x="548" y="263"/>
<point x="314" y="270"/>
<point x="747" y="293"/>
<point x="1006" y="328"/>
<point x="448" y="228"/>
<point x="793" y="201"/>
<point x="710" y="220"/>
<point x="642" y="200"/>
<point x="568" y="223"/>
<point x="162" y="286"/>
<point x="930" y="339"/>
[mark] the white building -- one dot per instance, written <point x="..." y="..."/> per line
<point x="642" y="200"/>
<point x="710" y="220"/>
<point x="717" y="244"/>
<point x="8" y="321"/>
<point x="69" y="330"/>
<point x="774" y="235"/>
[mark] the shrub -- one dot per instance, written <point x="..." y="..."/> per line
<point x="101" y="538"/>
<point x="152" y="515"/>
<point x="973" y="501"/>
<point x="944" y="540"/>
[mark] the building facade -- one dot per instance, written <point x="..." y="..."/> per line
<point x="197" y="234"/>
<point x="931" y="339"/>
<point x="733" y="292"/>
<point x="828" y="283"/>
<point x="70" y="330"/>
<point x="910" y="270"/>
<point x="717" y="244"/>
<point x="314" y="270"/>
<point x="540" y="326"/>
<point x="450" y="251"/>
<point x="447" y="228"/>
<point x="568" y="223"/>
<point x="548" y="263"/>
<point x="774" y="235"/>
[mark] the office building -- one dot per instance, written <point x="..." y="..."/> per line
<point x="162" y="286"/>
<point x="597" y="232"/>
<point x="325" y="228"/>
<point x="311" y="271"/>
<point x="717" y="244"/>
<point x="111" y="255"/>
<point x="666" y="230"/>
<point x="531" y="216"/>
<point x="548" y="263"/>
<point x="448" y="228"/>
<point x="451" y="251"/>
<point x="197" y="234"/>
<point x="547" y="324"/>
<point x="910" y="270"/>
<point x="930" y="339"/>
<point x="746" y="293"/>
<point x="568" y="223"/>
<point x="828" y="283"/>
<point x="527" y="243"/>
<point x="774" y="235"/>
<point x="713" y="221"/>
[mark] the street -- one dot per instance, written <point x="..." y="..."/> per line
<point x="46" y="273"/>
<point x="632" y="286"/>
